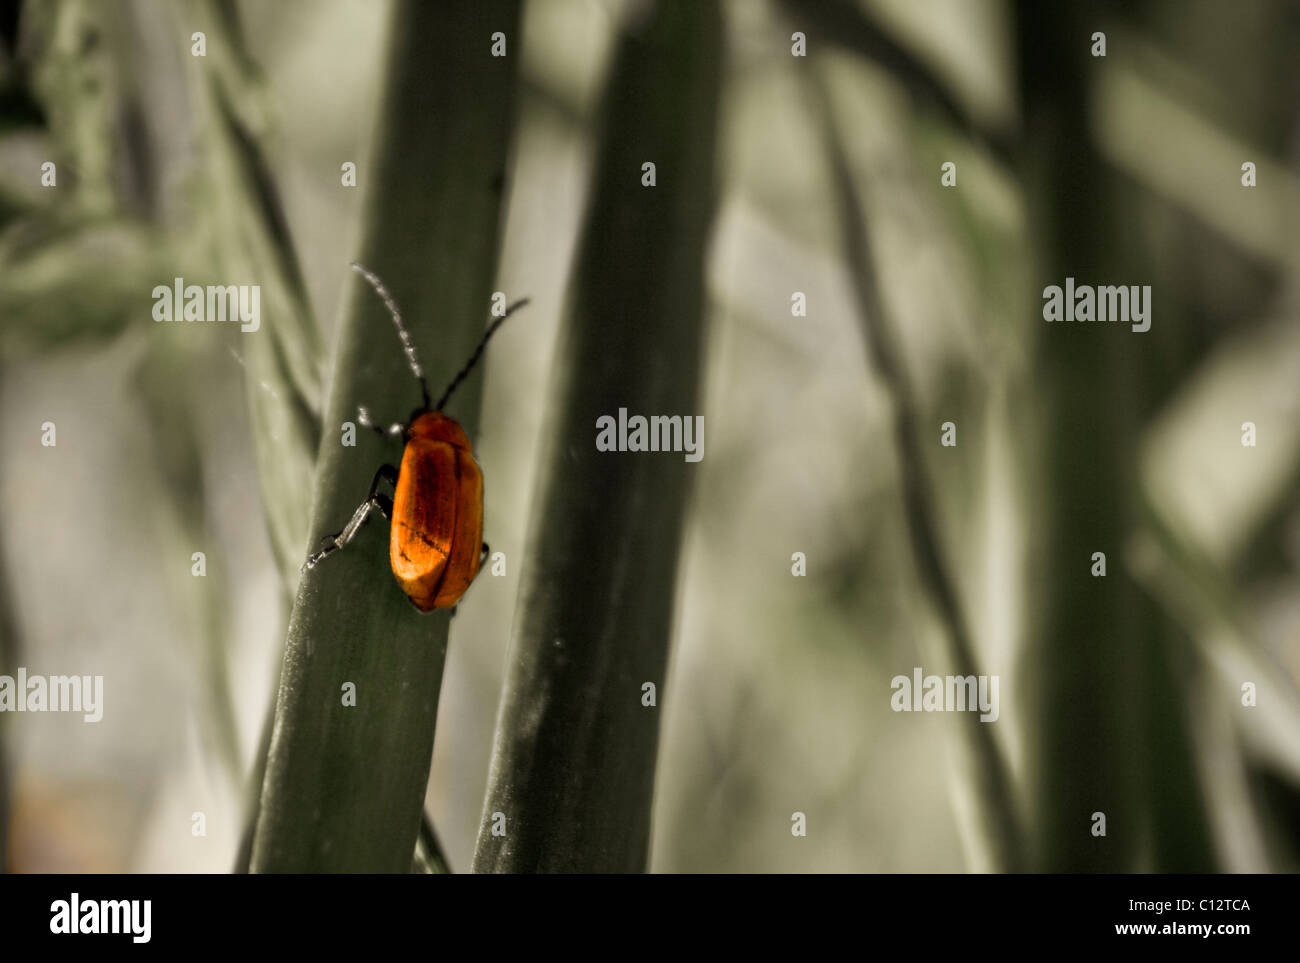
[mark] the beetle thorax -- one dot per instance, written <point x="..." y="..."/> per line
<point x="435" y="426"/>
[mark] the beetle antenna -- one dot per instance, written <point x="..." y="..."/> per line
<point x="408" y="345"/>
<point x="473" y="359"/>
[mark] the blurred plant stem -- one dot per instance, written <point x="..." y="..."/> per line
<point x="249" y="237"/>
<point x="851" y="26"/>
<point x="344" y="786"/>
<point x="251" y="241"/>
<point x="985" y="771"/>
<point x="1109" y="732"/>
<point x="573" y="766"/>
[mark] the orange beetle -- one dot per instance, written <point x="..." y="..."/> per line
<point x="435" y="541"/>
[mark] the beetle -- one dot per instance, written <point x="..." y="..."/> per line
<point x="435" y="540"/>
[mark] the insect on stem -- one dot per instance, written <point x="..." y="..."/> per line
<point x="435" y="554"/>
<point x="408" y="345"/>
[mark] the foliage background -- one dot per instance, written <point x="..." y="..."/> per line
<point x="1120" y="695"/>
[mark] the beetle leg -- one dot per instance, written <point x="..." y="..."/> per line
<point x="332" y="543"/>
<point x="394" y="432"/>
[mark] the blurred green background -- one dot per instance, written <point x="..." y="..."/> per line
<point x="1120" y="695"/>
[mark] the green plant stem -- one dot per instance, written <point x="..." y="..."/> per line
<point x="344" y="786"/>
<point x="250" y="238"/>
<point x="1109" y="733"/>
<point x="574" y="759"/>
